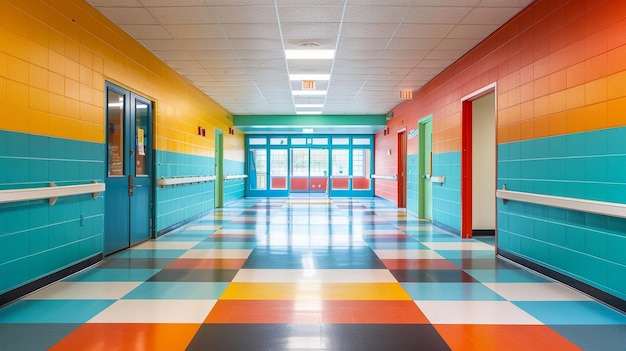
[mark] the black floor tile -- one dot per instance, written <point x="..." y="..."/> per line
<point x="432" y="276"/>
<point x="136" y="263"/>
<point x="358" y="257"/>
<point x="335" y="337"/>
<point x="194" y="275"/>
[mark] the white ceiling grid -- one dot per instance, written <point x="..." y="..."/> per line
<point x="233" y="49"/>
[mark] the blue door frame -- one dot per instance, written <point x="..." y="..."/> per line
<point x="259" y="176"/>
<point x="128" y="198"/>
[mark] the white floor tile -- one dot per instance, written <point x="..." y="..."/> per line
<point x="237" y="231"/>
<point x="315" y="275"/>
<point x="537" y="292"/>
<point x="466" y="245"/>
<point x="155" y="311"/>
<point x="165" y="245"/>
<point x="475" y="312"/>
<point x="203" y="227"/>
<point x="407" y="254"/>
<point x="84" y="291"/>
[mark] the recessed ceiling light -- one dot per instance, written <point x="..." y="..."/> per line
<point x="307" y="130"/>
<point x="308" y="92"/>
<point x="309" y="77"/>
<point x="308" y="112"/>
<point x="310" y="54"/>
<point x="309" y="105"/>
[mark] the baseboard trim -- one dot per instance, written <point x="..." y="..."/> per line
<point x="35" y="285"/>
<point x="447" y="227"/>
<point x="594" y="292"/>
<point x="181" y="223"/>
<point x="483" y="232"/>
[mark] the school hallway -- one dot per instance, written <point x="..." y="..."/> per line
<point x="309" y="274"/>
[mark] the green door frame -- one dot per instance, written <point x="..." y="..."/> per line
<point x="424" y="209"/>
<point x="219" y="168"/>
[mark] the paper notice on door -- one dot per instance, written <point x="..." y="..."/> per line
<point x="141" y="150"/>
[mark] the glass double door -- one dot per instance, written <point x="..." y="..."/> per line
<point x="309" y="170"/>
<point x="338" y="171"/>
<point x="128" y="180"/>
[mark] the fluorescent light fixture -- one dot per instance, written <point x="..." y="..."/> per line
<point x="308" y="112"/>
<point x="310" y="54"/>
<point x="309" y="77"/>
<point x="309" y="105"/>
<point x="307" y="130"/>
<point x="308" y="92"/>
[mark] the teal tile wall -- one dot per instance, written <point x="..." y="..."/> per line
<point x="447" y="195"/>
<point x="233" y="189"/>
<point x="590" y="165"/>
<point x="176" y="204"/>
<point x="37" y="239"/>
<point x="412" y="183"/>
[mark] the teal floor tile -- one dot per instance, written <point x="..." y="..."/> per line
<point x="52" y="311"/>
<point x="234" y="245"/>
<point x="506" y="276"/>
<point x="113" y="275"/>
<point x="20" y="336"/>
<point x="451" y="291"/>
<point x="398" y="246"/>
<point x="473" y="254"/>
<point x="149" y="253"/>
<point x="595" y="337"/>
<point x="572" y="312"/>
<point x="178" y="290"/>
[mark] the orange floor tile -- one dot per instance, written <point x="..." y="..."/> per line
<point x="337" y="312"/>
<point x="472" y="337"/>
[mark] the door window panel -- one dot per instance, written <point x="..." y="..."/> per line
<point x="115" y="134"/>
<point x="361" y="169"/>
<point x="340" y="175"/>
<point x="258" y="169"/>
<point x="142" y="111"/>
<point x="278" y="169"/>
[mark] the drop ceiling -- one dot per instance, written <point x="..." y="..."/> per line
<point x="233" y="50"/>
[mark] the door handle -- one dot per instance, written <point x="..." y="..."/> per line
<point x="131" y="186"/>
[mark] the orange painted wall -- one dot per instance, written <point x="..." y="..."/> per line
<point x="54" y="59"/>
<point x="559" y="66"/>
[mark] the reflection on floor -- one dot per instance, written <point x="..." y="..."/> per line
<point x="273" y="274"/>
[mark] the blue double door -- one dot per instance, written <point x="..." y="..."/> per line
<point x="128" y="196"/>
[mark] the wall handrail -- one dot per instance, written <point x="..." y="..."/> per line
<point x="582" y="205"/>
<point x="438" y="179"/>
<point x="387" y="177"/>
<point x="52" y="192"/>
<point x="184" y="180"/>
<point x="235" y="176"/>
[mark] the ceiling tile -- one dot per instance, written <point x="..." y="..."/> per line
<point x="184" y="31"/>
<point x="114" y="3"/>
<point x="233" y="49"/>
<point x="375" y="14"/>
<point x="182" y="15"/>
<point x="441" y="15"/>
<point x="310" y="14"/>
<point x="256" y="30"/>
<point x="128" y="15"/>
<point x="170" y="3"/>
<point x="368" y="30"/>
<point x="244" y="14"/>
<point x="146" y="31"/>
<point x="489" y="15"/>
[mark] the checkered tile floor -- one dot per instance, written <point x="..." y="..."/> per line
<point x="274" y="274"/>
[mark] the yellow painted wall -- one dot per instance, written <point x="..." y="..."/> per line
<point x="55" y="56"/>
